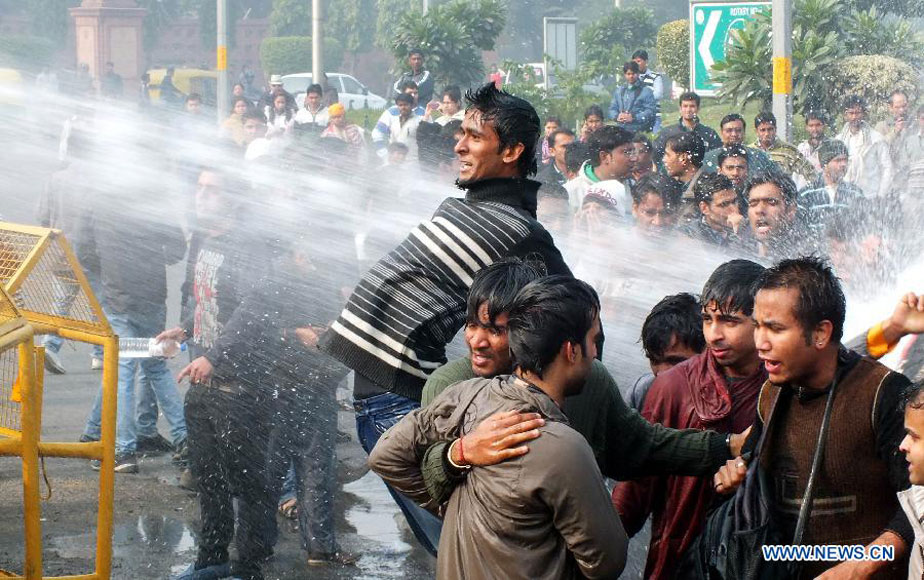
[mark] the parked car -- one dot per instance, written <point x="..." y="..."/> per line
<point x="353" y="94"/>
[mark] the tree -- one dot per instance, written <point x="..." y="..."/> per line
<point x="290" y="18"/>
<point x="352" y="22"/>
<point x="388" y="19"/>
<point x="452" y="35"/>
<point x="50" y="18"/>
<point x="674" y="50"/>
<point x="611" y="40"/>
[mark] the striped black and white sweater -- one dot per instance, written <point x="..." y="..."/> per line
<point x="395" y="327"/>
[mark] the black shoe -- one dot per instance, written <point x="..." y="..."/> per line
<point x="338" y="558"/>
<point x="155" y="445"/>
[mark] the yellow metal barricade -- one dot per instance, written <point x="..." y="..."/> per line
<point x="44" y="291"/>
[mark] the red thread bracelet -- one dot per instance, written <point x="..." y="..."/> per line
<point x="461" y="452"/>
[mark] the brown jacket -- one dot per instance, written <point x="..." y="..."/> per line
<point x="546" y="514"/>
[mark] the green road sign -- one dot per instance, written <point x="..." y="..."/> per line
<point x="710" y="26"/>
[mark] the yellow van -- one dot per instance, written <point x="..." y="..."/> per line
<point x="186" y="81"/>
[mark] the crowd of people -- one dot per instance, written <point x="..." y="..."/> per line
<point x="290" y="222"/>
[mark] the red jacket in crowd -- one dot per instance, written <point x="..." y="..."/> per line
<point x="694" y="394"/>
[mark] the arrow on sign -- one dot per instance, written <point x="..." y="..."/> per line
<point x="708" y="35"/>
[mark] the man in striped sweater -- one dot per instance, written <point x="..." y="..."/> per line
<point x="394" y="329"/>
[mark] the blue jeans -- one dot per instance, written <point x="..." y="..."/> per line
<point x="65" y="294"/>
<point x="374" y="416"/>
<point x="152" y="374"/>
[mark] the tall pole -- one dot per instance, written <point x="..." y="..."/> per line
<point x="317" y="40"/>
<point x="221" y="57"/>
<point x="782" y="67"/>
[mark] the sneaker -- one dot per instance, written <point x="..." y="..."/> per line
<point x="53" y="363"/>
<point x="126" y="463"/>
<point x="338" y="558"/>
<point x="155" y="445"/>
<point x="181" y="456"/>
<point x="87" y="439"/>
<point x="96" y="364"/>
<point x="214" y="572"/>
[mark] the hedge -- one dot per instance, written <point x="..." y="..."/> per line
<point x="284" y="55"/>
<point x="874" y="77"/>
<point x="26" y="52"/>
<point x="674" y="50"/>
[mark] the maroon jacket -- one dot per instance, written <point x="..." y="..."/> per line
<point x="694" y="394"/>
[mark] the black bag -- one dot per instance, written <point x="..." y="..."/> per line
<point x="729" y="547"/>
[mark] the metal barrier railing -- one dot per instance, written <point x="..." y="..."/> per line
<point x="43" y="290"/>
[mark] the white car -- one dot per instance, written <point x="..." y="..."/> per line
<point x="353" y="94"/>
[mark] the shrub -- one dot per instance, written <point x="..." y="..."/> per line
<point x="26" y="52"/>
<point x="874" y="77"/>
<point x="674" y="50"/>
<point x="292" y="54"/>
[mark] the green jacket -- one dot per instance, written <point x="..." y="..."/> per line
<point x="624" y="444"/>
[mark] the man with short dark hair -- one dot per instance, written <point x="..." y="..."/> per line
<point x="671" y="333"/>
<point x="576" y="154"/>
<point x="683" y="161"/>
<point x="544" y="514"/>
<point x="612" y="158"/>
<point x="423" y="282"/>
<point x="733" y="164"/>
<point x="633" y="106"/>
<point x="313" y="113"/>
<point x="714" y="390"/>
<point x="193" y="104"/>
<point x="731" y="130"/>
<point x="397" y="124"/>
<point x="892" y="130"/>
<point x="556" y="172"/>
<point x="110" y="85"/>
<point x="716" y="198"/>
<point x="421" y="78"/>
<point x="651" y="79"/>
<point x="799" y="312"/>
<point x="815" y="124"/>
<point x="689" y="121"/>
<point x="829" y="194"/>
<point x="228" y="407"/>
<point x="644" y="164"/>
<point x="870" y="166"/>
<point x="772" y="209"/>
<point x="786" y="157"/>
<point x="653" y="206"/>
